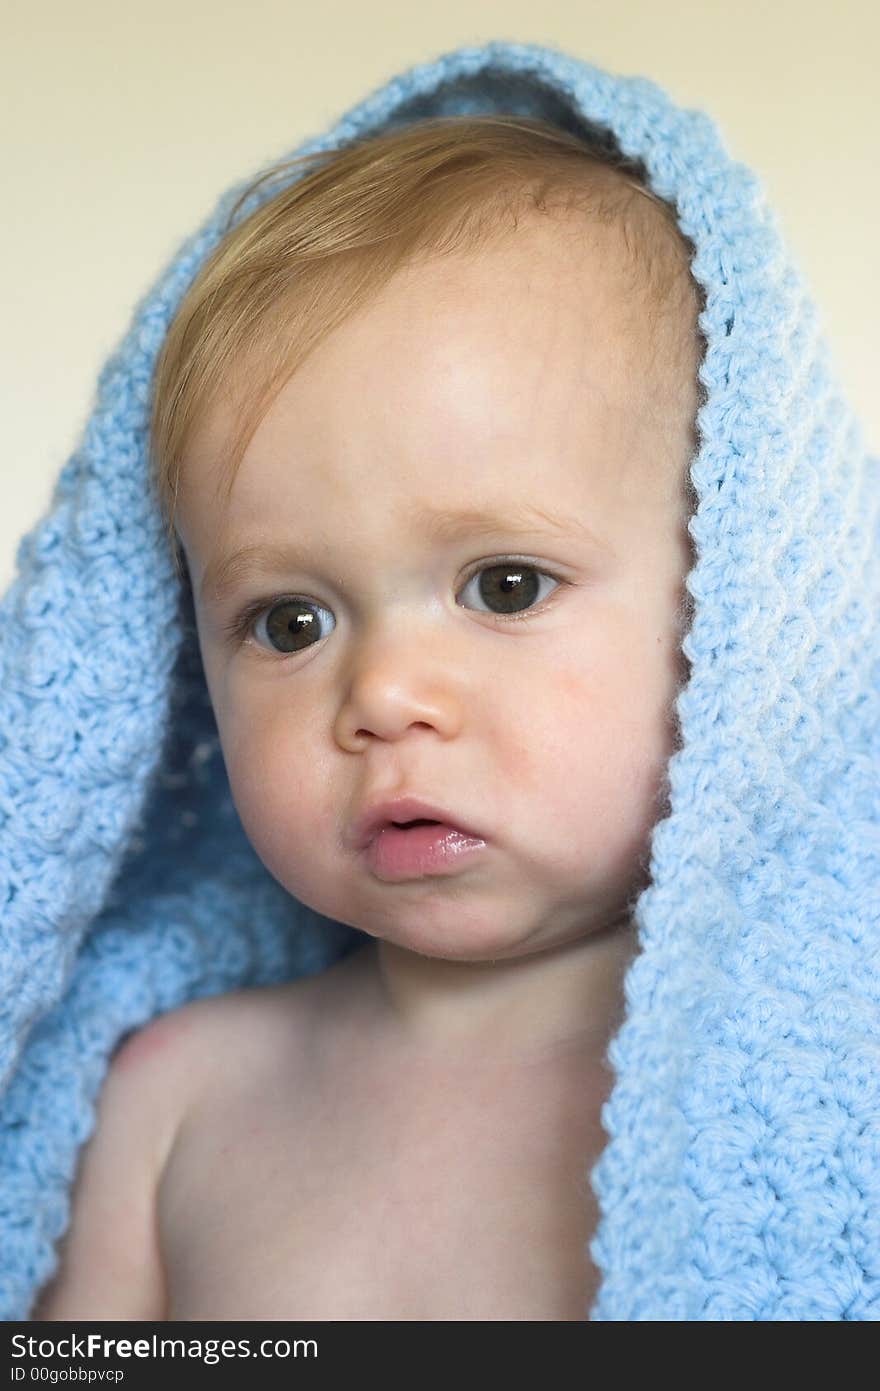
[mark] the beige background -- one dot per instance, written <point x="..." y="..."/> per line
<point x="124" y="122"/>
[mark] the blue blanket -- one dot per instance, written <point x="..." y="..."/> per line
<point x="741" y="1178"/>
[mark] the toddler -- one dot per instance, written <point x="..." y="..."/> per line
<point x="439" y="612"/>
<point x="413" y="905"/>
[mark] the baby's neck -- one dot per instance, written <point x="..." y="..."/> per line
<point x="541" y="1007"/>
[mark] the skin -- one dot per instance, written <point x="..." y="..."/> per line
<point x="520" y="373"/>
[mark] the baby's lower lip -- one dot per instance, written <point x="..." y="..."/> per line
<point x="398" y="852"/>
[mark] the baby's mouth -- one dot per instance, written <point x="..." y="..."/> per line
<point x="403" y="814"/>
<point x="419" y="849"/>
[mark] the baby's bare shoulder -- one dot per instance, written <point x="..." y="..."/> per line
<point x="241" y="1027"/>
<point x="220" y="1046"/>
<point x="110" y="1264"/>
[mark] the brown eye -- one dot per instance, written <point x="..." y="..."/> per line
<point x="292" y="625"/>
<point x="509" y="587"/>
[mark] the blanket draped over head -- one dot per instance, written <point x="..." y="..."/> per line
<point x="741" y="1175"/>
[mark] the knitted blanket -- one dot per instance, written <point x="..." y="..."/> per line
<point x="741" y="1178"/>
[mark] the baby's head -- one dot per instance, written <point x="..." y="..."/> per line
<point x="422" y="425"/>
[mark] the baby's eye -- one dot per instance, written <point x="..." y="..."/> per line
<point x="292" y="625"/>
<point x="512" y="585"/>
<point x="511" y="588"/>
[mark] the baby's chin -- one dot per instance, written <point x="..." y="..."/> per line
<point x="477" y="916"/>
<point x="482" y="938"/>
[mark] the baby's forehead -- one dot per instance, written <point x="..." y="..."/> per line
<point x="555" y="288"/>
<point x="625" y="290"/>
<point x="562" y="287"/>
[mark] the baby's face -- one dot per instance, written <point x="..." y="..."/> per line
<point x="506" y="386"/>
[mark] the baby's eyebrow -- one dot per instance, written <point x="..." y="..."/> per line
<point x="224" y="573"/>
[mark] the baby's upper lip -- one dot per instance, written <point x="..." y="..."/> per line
<point x="378" y="814"/>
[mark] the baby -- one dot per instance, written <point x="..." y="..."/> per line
<point x="440" y="616"/>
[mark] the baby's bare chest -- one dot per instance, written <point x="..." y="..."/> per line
<point x="353" y="1200"/>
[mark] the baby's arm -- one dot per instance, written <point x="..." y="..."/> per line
<point x="110" y="1261"/>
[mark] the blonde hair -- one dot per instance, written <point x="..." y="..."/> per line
<point x="289" y="273"/>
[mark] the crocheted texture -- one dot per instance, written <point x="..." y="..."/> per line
<point x="741" y="1178"/>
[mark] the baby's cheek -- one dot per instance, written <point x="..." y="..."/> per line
<point x="592" y="706"/>
<point x="576" y="694"/>
<point x="284" y="797"/>
<point x="606" y="742"/>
